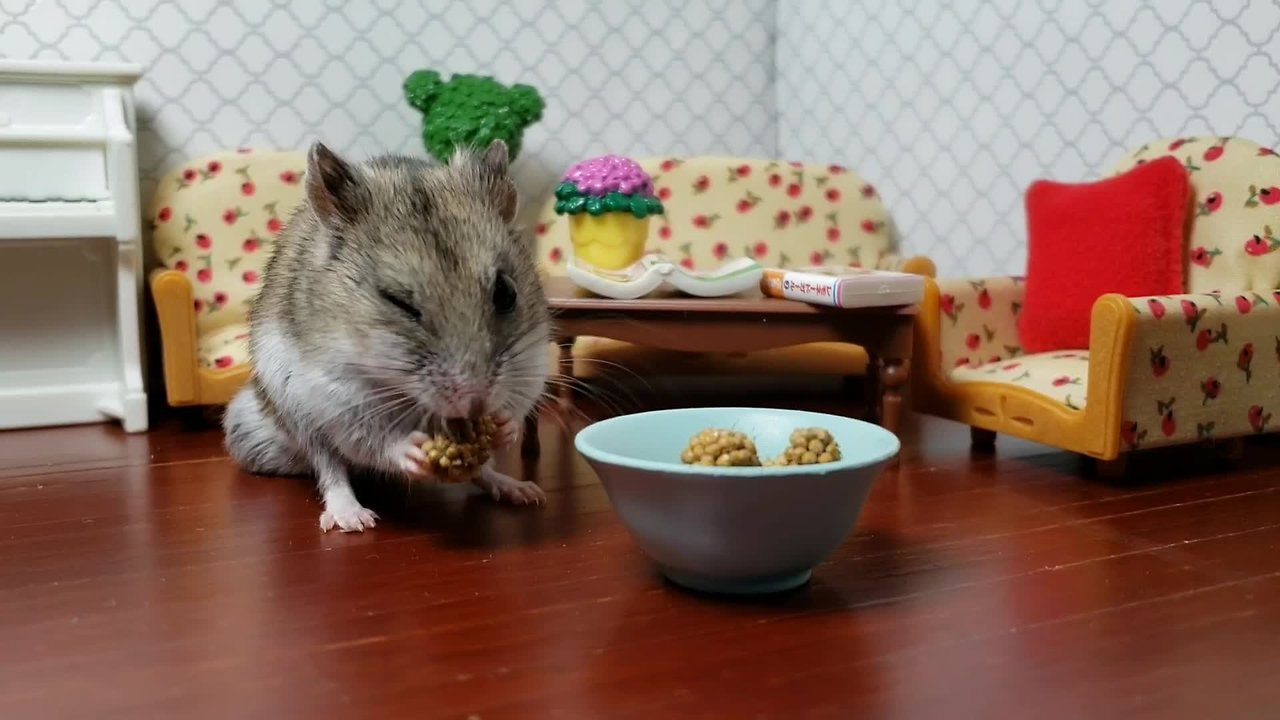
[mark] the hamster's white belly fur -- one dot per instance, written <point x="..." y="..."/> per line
<point x="320" y="405"/>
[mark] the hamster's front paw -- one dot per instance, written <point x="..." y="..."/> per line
<point x="407" y="455"/>
<point x="505" y="487"/>
<point x="508" y="430"/>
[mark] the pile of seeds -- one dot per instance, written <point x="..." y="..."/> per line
<point x="725" y="448"/>
<point x="808" y="446"/>
<point x="731" y="448"/>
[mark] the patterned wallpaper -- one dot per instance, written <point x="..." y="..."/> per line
<point x="629" y="76"/>
<point x="950" y="108"/>
<point x="953" y="108"/>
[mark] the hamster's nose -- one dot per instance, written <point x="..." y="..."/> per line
<point x="467" y="400"/>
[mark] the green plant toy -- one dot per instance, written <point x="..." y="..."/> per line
<point x="471" y="110"/>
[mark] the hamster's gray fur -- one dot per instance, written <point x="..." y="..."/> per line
<point x="401" y="293"/>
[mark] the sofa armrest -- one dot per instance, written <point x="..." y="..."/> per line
<point x="1192" y="367"/>
<point x="915" y="264"/>
<point x="171" y="291"/>
<point x="977" y="320"/>
<point x="962" y="322"/>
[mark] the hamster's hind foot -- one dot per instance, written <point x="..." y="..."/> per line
<point x="256" y="442"/>
<point x="342" y="509"/>
<point x="354" y="518"/>
<point x="504" y="487"/>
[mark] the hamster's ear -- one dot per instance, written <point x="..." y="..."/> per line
<point x="333" y="189"/>
<point x="496" y="165"/>
<point x="495" y="159"/>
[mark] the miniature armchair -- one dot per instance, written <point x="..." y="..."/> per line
<point x="214" y="222"/>
<point x="781" y="214"/>
<point x="1158" y="371"/>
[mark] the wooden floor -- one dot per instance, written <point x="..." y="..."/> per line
<point x="145" y="577"/>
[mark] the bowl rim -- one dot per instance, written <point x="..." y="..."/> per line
<point x="582" y="442"/>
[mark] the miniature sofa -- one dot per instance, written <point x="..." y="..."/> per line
<point x="780" y="213"/>
<point x="214" y="220"/>
<point x="1158" y="371"/>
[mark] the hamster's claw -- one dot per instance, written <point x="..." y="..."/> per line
<point x="348" y="519"/>
<point x="505" y="487"/>
<point x="409" y="456"/>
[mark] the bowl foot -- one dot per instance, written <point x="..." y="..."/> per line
<point x="746" y="586"/>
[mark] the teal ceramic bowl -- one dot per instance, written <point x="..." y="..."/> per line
<point x="737" y="530"/>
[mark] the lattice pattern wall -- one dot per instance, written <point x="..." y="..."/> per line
<point x="629" y="76"/>
<point x="953" y="108"/>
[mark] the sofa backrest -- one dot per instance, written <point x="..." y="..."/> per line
<point x="1233" y="242"/>
<point x="215" y="218"/>
<point x="777" y="212"/>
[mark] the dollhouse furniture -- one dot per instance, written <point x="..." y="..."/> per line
<point x="698" y="325"/>
<point x="1157" y="371"/>
<point x="721" y="208"/>
<point x="214" y="222"/>
<point x="70" y="248"/>
<point x="215" y="216"/>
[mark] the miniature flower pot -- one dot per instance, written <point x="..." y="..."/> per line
<point x="609" y="201"/>
<point x="611" y="241"/>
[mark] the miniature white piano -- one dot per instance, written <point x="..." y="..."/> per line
<point x="70" y="247"/>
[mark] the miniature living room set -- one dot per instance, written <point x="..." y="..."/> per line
<point x="426" y="425"/>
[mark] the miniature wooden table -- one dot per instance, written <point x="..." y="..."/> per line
<point x="742" y="323"/>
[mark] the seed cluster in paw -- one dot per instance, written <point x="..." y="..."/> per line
<point x="457" y="454"/>
<point x="731" y="448"/>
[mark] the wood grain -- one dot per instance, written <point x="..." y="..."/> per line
<point x="144" y="576"/>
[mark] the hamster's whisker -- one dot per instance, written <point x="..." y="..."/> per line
<point x="388" y="396"/>
<point x="403" y="367"/>
<point x="618" y="385"/>
<point x="546" y="406"/>
<point x="385" y="374"/>
<point x="384" y="409"/>
<point x="622" y="386"/>
<point x="381" y="362"/>
<point x="382" y="393"/>
<point x="619" y="366"/>
<point x="383" y="371"/>
<point x="373" y="405"/>
<point x="401" y="417"/>
<point x="550" y="405"/>
<point x="526" y="344"/>
<point x="610" y="403"/>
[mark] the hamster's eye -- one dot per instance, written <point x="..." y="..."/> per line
<point x="402" y="302"/>
<point x="504" y="294"/>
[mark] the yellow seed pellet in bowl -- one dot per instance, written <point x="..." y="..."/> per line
<point x="810" y="446"/>
<point x="721" y="448"/>
<point x="731" y="448"/>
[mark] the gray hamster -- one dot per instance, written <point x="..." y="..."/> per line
<point x="400" y="294"/>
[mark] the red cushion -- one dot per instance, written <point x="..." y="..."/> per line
<point x="1124" y="234"/>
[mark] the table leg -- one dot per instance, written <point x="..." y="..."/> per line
<point x="130" y="401"/>
<point x="871" y="393"/>
<point x="565" y="392"/>
<point x="893" y="378"/>
<point x="530" y="445"/>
